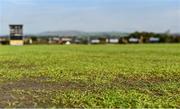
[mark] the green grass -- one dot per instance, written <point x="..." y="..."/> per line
<point x="127" y="76"/>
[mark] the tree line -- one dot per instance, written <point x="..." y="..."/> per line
<point x="135" y="37"/>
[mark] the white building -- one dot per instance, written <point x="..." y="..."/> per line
<point x="154" y="39"/>
<point x="95" y="41"/>
<point x="133" y="40"/>
<point x="114" y="40"/>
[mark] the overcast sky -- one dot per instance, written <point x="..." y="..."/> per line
<point x="91" y="15"/>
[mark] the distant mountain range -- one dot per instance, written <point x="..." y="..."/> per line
<point x="75" y="33"/>
<point x="62" y="33"/>
<point x="80" y="33"/>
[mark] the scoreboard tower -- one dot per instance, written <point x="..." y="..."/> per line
<point x="16" y="35"/>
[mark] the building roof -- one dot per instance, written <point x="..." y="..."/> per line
<point x="11" y="25"/>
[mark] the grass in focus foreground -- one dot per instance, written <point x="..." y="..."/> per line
<point x="90" y="76"/>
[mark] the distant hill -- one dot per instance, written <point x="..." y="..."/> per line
<point x="62" y="33"/>
<point x="80" y="33"/>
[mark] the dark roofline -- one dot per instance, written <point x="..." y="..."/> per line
<point x="16" y="25"/>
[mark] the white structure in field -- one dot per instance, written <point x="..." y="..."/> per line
<point x="154" y="39"/>
<point x="95" y="41"/>
<point x="133" y="40"/>
<point x="113" y="40"/>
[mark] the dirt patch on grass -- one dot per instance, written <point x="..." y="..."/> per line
<point x="137" y="80"/>
<point x="8" y="96"/>
<point x="26" y="84"/>
<point x="124" y="82"/>
<point x="142" y="84"/>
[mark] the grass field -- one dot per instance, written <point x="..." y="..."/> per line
<point x="90" y="76"/>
